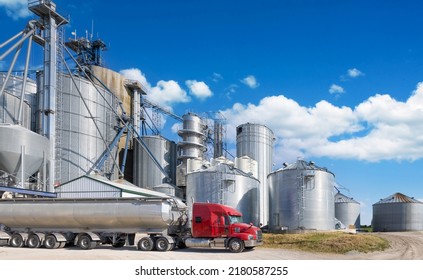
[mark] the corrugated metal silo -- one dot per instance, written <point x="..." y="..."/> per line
<point x="256" y="141"/>
<point x="398" y="212"/>
<point x="79" y="141"/>
<point x="302" y="197"/>
<point x="10" y="100"/>
<point x="146" y="172"/>
<point x="347" y="210"/>
<point x="227" y="185"/>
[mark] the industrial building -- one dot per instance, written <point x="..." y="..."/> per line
<point x="82" y="130"/>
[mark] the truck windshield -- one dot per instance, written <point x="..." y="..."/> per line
<point x="235" y="219"/>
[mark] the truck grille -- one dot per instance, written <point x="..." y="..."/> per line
<point x="259" y="235"/>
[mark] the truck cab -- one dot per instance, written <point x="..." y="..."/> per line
<point x="221" y="226"/>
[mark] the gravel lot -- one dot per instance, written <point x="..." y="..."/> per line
<point x="404" y="246"/>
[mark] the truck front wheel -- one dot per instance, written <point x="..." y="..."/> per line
<point x="146" y="244"/>
<point x="236" y="245"/>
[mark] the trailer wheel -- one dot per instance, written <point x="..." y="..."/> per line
<point x="162" y="244"/>
<point x="33" y="241"/>
<point x="84" y="242"/>
<point x="146" y="244"/>
<point x="51" y="242"/>
<point x="236" y="245"/>
<point x="16" y="240"/>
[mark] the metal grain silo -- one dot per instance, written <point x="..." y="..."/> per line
<point x="398" y="212"/>
<point x="85" y="127"/>
<point x="347" y="210"/>
<point x="227" y="185"/>
<point x="10" y="100"/>
<point x="146" y="172"/>
<point x="256" y="141"/>
<point x="302" y="197"/>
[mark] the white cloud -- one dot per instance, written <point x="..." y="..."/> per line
<point x="336" y="89"/>
<point x="250" y="81"/>
<point x="354" y="73"/>
<point x="165" y="93"/>
<point x="380" y="128"/>
<point x="15" y="9"/>
<point x="199" y="89"/>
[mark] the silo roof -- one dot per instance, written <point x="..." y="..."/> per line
<point x="398" y="198"/>
<point x="341" y="198"/>
<point x="304" y="165"/>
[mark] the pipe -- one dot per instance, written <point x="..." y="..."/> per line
<point x="16" y="44"/>
<point x="11" y="39"/>
<point x="9" y="72"/>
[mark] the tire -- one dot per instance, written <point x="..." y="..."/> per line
<point x="145" y="244"/>
<point x="16" y="240"/>
<point x="51" y="242"/>
<point x="162" y="244"/>
<point x="236" y="245"/>
<point x="84" y="242"/>
<point x="33" y="241"/>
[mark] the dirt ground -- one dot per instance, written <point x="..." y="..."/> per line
<point x="404" y="246"/>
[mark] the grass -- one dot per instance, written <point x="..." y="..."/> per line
<point x="326" y="242"/>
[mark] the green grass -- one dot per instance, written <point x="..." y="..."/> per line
<point x="326" y="242"/>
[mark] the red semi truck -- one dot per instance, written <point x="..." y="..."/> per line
<point x="150" y="223"/>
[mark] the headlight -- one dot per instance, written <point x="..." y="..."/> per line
<point x="250" y="237"/>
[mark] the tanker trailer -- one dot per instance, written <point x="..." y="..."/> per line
<point x="53" y="223"/>
<point x="151" y="223"/>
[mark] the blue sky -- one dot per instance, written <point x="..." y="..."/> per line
<point x="338" y="81"/>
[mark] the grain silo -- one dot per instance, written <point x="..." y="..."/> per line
<point x="347" y="210"/>
<point x="146" y="172"/>
<point x="302" y="197"/>
<point x="85" y="127"/>
<point x="398" y="212"/>
<point x="256" y="141"/>
<point x="224" y="184"/>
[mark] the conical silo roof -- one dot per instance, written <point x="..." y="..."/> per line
<point x="398" y="198"/>
<point x="341" y="198"/>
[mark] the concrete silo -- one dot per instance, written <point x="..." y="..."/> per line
<point x="302" y="198"/>
<point x="398" y="212"/>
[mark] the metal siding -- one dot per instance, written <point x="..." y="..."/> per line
<point x="146" y="173"/>
<point x="87" y="188"/>
<point x="225" y="187"/>
<point x="302" y="199"/>
<point x="81" y="144"/>
<point x="256" y="141"/>
<point x="400" y="216"/>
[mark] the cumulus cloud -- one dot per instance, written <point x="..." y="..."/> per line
<point x="15" y="9"/>
<point x="165" y="93"/>
<point x="250" y="81"/>
<point x="354" y="73"/>
<point x="199" y="89"/>
<point x="380" y="128"/>
<point x="336" y="89"/>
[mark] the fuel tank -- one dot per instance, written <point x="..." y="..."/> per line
<point x="96" y="215"/>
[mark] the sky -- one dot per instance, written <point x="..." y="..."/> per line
<point x="339" y="82"/>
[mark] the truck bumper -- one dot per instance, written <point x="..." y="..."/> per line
<point x="252" y="243"/>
